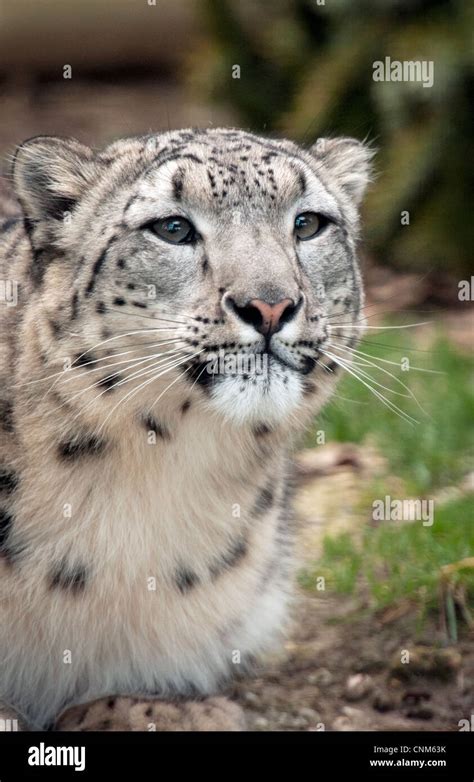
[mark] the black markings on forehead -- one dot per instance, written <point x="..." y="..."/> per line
<point x="185" y="580"/>
<point x="177" y="183"/>
<point x="70" y="578"/>
<point x="81" y="446"/>
<point x="152" y="425"/>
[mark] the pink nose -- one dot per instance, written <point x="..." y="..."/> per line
<point x="269" y="315"/>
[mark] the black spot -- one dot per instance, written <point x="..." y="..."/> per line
<point x="119" y="301"/>
<point x="81" y="446"/>
<point x="96" y="269"/>
<point x="84" y="360"/>
<point x="230" y="559"/>
<point x="74" y="305"/>
<point x="7" y="551"/>
<point x="95" y="272"/>
<point x="198" y="373"/>
<point x="264" y="501"/>
<point x="302" y="181"/>
<point x="261" y="430"/>
<point x="121" y="263"/>
<point x="151" y="424"/>
<point x="6" y="415"/>
<point x="111" y="703"/>
<point x="185" y="580"/>
<point x="332" y="366"/>
<point x="55" y="327"/>
<point x="71" y="579"/>
<point x="177" y="183"/>
<point x="205" y="264"/>
<point x="139" y="304"/>
<point x="185" y="406"/>
<point x="9" y="223"/>
<point x="100" y="307"/>
<point x="8" y="480"/>
<point x="109" y="381"/>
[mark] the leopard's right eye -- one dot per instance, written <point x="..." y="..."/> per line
<point x="174" y="229"/>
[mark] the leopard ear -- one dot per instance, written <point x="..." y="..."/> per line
<point x="50" y="174"/>
<point x="348" y="161"/>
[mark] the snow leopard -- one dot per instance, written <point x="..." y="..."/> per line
<point x="170" y="308"/>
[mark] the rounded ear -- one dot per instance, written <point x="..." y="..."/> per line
<point x="348" y="161"/>
<point x="50" y="174"/>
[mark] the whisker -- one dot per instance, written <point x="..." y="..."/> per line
<point x="134" y="376"/>
<point x="388" y="403"/>
<point x="386" y="360"/>
<point x="146" y="317"/>
<point x="386" y="372"/>
<point x="387" y="328"/>
<point x="151" y="380"/>
<point x="115" y="363"/>
<point x="164" y="356"/>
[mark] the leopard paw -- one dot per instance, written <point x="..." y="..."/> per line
<point x="10" y="720"/>
<point x="139" y="714"/>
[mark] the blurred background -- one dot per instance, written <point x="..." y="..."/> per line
<point x="97" y="71"/>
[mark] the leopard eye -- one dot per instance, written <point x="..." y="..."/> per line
<point x="309" y="224"/>
<point x="174" y="229"/>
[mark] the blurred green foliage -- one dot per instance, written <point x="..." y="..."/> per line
<point x="436" y="451"/>
<point x="396" y="560"/>
<point x="401" y="560"/>
<point x="306" y="71"/>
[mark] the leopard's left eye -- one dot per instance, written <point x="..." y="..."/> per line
<point x="174" y="229"/>
<point x="309" y="224"/>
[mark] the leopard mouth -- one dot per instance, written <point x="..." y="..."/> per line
<point x="209" y="371"/>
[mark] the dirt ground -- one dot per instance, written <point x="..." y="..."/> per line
<point x="341" y="668"/>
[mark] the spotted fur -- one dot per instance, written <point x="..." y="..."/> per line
<point x="145" y="525"/>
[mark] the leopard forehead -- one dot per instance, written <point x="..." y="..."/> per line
<point x="234" y="175"/>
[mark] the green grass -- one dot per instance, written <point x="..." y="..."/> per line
<point x="401" y="560"/>
<point x="395" y="560"/>
<point x="434" y="452"/>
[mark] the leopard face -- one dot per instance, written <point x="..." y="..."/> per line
<point x="215" y="261"/>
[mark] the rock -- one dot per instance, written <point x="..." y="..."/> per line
<point x="358" y="686"/>
<point x="420" y="713"/>
<point x="427" y="661"/>
<point x="322" y="676"/>
<point x="383" y="701"/>
<point x="251" y="698"/>
<point x="310" y="715"/>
